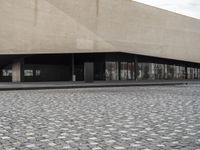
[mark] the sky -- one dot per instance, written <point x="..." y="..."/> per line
<point x="185" y="7"/>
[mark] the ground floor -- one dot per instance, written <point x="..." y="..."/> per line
<point x="93" y="66"/>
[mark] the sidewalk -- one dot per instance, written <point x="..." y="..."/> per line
<point x="80" y="84"/>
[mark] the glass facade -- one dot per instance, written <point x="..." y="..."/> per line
<point x="126" y="71"/>
<point x="159" y="71"/>
<point x="119" y="70"/>
<point x="170" y="72"/>
<point x="37" y="72"/>
<point x="149" y="71"/>
<point x="7" y="72"/>
<point x="195" y="73"/>
<point x="146" y="71"/>
<point x="131" y="72"/>
<point x="123" y="70"/>
<point x="28" y="73"/>
<point x="111" y="71"/>
<point x="182" y="73"/>
<point x="190" y="73"/>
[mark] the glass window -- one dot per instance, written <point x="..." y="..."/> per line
<point x="195" y="73"/>
<point x="152" y="71"/>
<point x="176" y="72"/>
<point x="130" y="71"/>
<point x="199" y="73"/>
<point x="7" y="72"/>
<point x="140" y="71"/>
<point x="182" y="72"/>
<point x="28" y="73"/>
<point x="188" y="72"/>
<point x="133" y="71"/>
<point x="123" y="70"/>
<point x="170" y="71"/>
<point x="143" y="71"/>
<point x="37" y="72"/>
<point x="112" y="71"/>
<point x="165" y="71"/>
<point x="192" y="73"/>
<point x="159" y="71"/>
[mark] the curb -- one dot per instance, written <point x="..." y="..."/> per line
<point x="88" y="86"/>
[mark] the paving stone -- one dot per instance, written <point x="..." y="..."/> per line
<point x="157" y="117"/>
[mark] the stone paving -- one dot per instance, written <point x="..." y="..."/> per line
<point x="131" y="118"/>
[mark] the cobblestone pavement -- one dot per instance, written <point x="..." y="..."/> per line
<point x="131" y="118"/>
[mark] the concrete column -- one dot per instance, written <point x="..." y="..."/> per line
<point x="119" y="70"/>
<point x="18" y="71"/>
<point x="73" y="71"/>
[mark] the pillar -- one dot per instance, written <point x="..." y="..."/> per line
<point x="18" y="71"/>
<point x="119" y="70"/>
<point x="73" y="70"/>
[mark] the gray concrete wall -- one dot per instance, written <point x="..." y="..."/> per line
<point x="66" y="26"/>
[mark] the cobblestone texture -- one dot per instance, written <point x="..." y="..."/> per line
<point x="131" y="118"/>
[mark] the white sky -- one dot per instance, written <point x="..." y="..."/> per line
<point x="185" y="7"/>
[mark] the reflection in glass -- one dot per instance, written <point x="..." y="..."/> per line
<point x="190" y="72"/>
<point x="159" y="71"/>
<point x="170" y="71"/>
<point x="176" y="72"/>
<point x="123" y="70"/>
<point x="133" y="71"/>
<point x="145" y="71"/>
<point x="130" y="68"/>
<point x="28" y="73"/>
<point x="149" y="71"/>
<point x="37" y="72"/>
<point x="111" y="71"/>
<point x="182" y="72"/>
<point x="195" y="73"/>
<point x="7" y="72"/>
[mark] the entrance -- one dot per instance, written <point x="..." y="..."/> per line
<point x="89" y="71"/>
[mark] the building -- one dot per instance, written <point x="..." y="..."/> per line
<point x="65" y="40"/>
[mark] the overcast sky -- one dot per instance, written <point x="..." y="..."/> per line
<point x="186" y="7"/>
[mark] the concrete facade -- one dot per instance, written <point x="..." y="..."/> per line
<point x="68" y="26"/>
